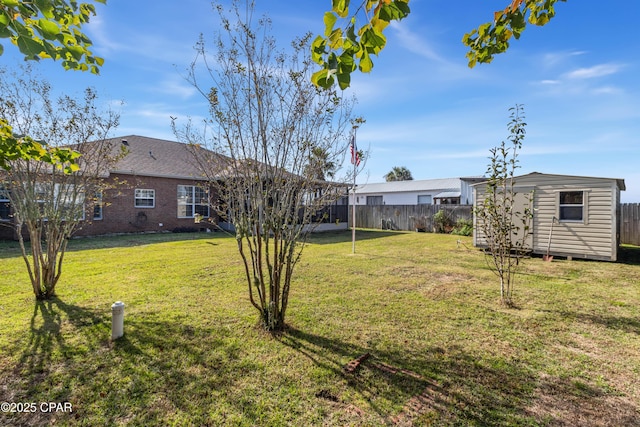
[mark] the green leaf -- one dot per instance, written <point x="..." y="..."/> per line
<point x="322" y="78"/>
<point x="4" y="19"/>
<point x="48" y="29"/>
<point x="347" y="63"/>
<point x="318" y="49"/>
<point x="329" y="21"/>
<point x="391" y="12"/>
<point x="335" y="39"/>
<point x="341" y="7"/>
<point x="374" y="40"/>
<point x="29" y="47"/>
<point x="344" y="80"/>
<point x="366" y="65"/>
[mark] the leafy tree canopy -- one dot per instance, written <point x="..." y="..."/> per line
<point x="50" y="29"/>
<point x="14" y="147"/>
<point x="493" y="37"/>
<point x="45" y="29"/>
<point x="353" y="36"/>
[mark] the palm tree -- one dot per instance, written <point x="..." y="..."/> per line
<point x="320" y="166"/>
<point x="399" y="173"/>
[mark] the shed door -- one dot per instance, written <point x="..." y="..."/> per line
<point x="523" y="204"/>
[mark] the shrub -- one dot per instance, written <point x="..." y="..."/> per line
<point x="464" y="227"/>
<point x="442" y="222"/>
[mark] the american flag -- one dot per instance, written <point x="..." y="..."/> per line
<point x="355" y="156"/>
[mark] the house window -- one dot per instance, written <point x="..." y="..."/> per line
<point x="192" y="201"/>
<point x="5" y="206"/>
<point x="70" y="200"/>
<point x="571" y="206"/>
<point x="97" y="206"/>
<point x="145" y="198"/>
<point x="374" y="200"/>
<point x="424" y="200"/>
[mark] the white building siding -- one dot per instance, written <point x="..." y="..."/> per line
<point x="595" y="237"/>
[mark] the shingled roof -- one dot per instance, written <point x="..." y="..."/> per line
<point x="155" y="157"/>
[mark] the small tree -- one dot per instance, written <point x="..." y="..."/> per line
<point x="399" y="173"/>
<point x="49" y="200"/>
<point x="278" y="134"/>
<point x="501" y="226"/>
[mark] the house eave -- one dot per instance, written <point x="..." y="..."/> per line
<point x="153" y="175"/>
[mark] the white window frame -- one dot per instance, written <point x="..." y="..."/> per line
<point x="144" y="194"/>
<point x="190" y="191"/>
<point x="583" y="205"/>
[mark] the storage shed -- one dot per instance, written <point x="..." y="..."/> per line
<point x="580" y="213"/>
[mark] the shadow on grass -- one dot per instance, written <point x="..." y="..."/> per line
<point x="441" y="386"/>
<point x="166" y="371"/>
<point x="11" y="249"/>
<point x="330" y="237"/>
<point x="625" y="324"/>
<point x="44" y="353"/>
<point x="629" y="255"/>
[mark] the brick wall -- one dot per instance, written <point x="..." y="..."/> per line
<point x="120" y="215"/>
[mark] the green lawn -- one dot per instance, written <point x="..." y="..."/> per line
<point x="425" y="307"/>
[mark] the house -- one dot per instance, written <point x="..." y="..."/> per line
<point x="449" y="191"/>
<point x="156" y="187"/>
<point x="573" y="216"/>
<point x="159" y="186"/>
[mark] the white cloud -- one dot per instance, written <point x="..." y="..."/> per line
<point x="593" y="72"/>
<point x="175" y="86"/>
<point x="607" y="90"/>
<point x="554" y="59"/>
<point x="416" y="43"/>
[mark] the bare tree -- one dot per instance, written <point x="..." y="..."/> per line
<point x="268" y="126"/>
<point x="502" y="215"/>
<point x="49" y="201"/>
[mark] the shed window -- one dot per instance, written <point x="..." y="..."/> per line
<point x="571" y="206"/>
<point x="145" y="198"/>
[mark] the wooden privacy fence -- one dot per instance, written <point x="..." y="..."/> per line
<point x="630" y="223"/>
<point x="408" y="217"/>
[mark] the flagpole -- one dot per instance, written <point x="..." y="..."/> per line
<point x="353" y="214"/>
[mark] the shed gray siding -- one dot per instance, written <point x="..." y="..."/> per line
<point x="595" y="237"/>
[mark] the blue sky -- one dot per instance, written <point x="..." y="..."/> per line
<point x="425" y="109"/>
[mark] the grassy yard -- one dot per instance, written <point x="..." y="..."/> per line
<point x="424" y="307"/>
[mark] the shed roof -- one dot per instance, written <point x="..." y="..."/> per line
<point x="619" y="181"/>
